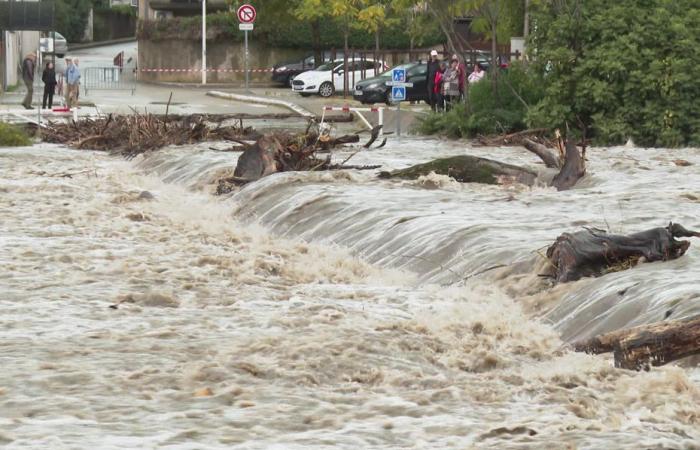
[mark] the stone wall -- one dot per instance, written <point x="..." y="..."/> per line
<point x="187" y="54"/>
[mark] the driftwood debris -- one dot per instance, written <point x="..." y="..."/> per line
<point x="286" y="152"/>
<point x="467" y="169"/>
<point x="592" y="252"/>
<point x="647" y="345"/>
<point x="131" y="135"/>
<point x="568" y="159"/>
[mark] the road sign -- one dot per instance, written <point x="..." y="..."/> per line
<point x="245" y="26"/>
<point x="246" y="14"/>
<point x="398" y="75"/>
<point x="398" y="93"/>
<point x="46" y="45"/>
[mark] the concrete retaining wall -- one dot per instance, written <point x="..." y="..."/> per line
<point x="187" y="54"/>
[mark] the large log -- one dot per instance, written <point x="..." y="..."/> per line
<point x="468" y="169"/>
<point x="592" y="252"/>
<point x="647" y="345"/>
<point x="573" y="169"/>
<point x="548" y="156"/>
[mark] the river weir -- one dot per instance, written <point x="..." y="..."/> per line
<point x="332" y="309"/>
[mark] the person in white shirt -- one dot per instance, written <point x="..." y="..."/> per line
<point x="477" y="75"/>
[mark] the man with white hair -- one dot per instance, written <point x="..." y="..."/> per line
<point x="433" y="67"/>
<point x="72" y="82"/>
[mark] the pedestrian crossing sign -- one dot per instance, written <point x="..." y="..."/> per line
<point x="398" y="93"/>
<point x="398" y="75"/>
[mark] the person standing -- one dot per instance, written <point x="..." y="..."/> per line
<point x="72" y="83"/>
<point x="437" y="90"/>
<point x="28" y="69"/>
<point x="450" y="84"/>
<point x="478" y="74"/>
<point x="462" y="75"/>
<point x="433" y="68"/>
<point x="49" y="79"/>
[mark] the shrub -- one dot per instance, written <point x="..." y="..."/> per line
<point x="12" y="136"/>
<point x="620" y="69"/>
<point x="518" y="89"/>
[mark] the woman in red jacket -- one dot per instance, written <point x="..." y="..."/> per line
<point x="437" y="88"/>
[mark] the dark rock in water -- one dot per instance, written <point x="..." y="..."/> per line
<point x="468" y="169"/>
<point x="145" y="195"/>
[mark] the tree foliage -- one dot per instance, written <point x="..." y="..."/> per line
<point x="619" y="70"/>
<point x="71" y="18"/>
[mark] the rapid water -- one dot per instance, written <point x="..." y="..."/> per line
<point x="330" y="310"/>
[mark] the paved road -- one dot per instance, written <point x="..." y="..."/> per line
<point x="188" y="99"/>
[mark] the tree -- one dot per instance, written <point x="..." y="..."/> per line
<point x="619" y="70"/>
<point x="313" y="11"/>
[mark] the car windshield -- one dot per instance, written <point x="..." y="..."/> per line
<point x="406" y="67"/>
<point x="326" y="67"/>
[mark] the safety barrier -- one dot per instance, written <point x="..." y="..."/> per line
<point x="107" y="78"/>
<point x="358" y="112"/>
<point x="208" y="70"/>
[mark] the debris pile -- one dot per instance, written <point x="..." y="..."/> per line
<point x="131" y="135"/>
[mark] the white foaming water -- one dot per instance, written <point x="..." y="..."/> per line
<point x="343" y="322"/>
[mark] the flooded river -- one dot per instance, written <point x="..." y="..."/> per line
<point x="330" y="310"/>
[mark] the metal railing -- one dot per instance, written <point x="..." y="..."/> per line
<point x="112" y="78"/>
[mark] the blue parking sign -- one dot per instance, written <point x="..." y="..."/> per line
<point x="398" y="75"/>
<point x="398" y="93"/>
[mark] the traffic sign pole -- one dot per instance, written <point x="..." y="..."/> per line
<point x="246" y="59"/>
<point x="398" y="120"/>
<point x="246" y="16"/>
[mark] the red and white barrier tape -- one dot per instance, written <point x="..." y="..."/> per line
<point x="208" y="70"/>
<point x="348" y="109"/>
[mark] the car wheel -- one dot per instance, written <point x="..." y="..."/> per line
<point x="326" y="89"/>
<point x="387" y="100"/>
<point x="59" y="55"/>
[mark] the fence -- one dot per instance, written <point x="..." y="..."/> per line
<point x="107" y="78"/>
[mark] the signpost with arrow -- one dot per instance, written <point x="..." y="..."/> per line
<point x="246" y="16"/>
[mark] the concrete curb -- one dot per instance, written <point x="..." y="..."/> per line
<point x="263" y="101"/>
<point x="74" y="47"/>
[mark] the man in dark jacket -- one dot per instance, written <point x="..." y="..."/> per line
<point x="28" y="69"/>
<point x="433" y="68"/>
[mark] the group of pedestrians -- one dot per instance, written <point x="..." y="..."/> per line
<point x="446" y="81"/>
<point x="51" y="84"/>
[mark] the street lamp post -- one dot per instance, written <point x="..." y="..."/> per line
<point x="204" y="41"/>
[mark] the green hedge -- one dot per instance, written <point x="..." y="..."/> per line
<point x="488" y="113"/>
<point x="13" y="136"/>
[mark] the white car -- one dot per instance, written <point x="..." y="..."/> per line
<point x="328" y="78"/>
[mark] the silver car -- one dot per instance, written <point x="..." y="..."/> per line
<point x="60" y="45"/>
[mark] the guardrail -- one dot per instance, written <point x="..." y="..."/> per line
<point x="107" y="78"/>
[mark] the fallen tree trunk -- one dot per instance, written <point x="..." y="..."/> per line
<point x="656" y="344"/>
<point x="468" y="169"/>
<point x="573" y="168"/>
<point x="592" y="252"/>
<point x="548" y="156"/>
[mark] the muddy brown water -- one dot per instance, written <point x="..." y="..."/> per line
<point x="330" y="310"/>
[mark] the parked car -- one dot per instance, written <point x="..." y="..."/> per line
<point x="329" y="77"/>
<point x="284" y="73"/>
<point x="375" y="90"/>
<point x="60" y="44"/>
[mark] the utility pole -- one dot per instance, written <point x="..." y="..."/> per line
<point x="204" y="41"/>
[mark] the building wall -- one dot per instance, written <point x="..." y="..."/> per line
<point x="11" y="58"/>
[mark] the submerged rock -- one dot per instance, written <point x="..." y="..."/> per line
<point x="468" y="169"/>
